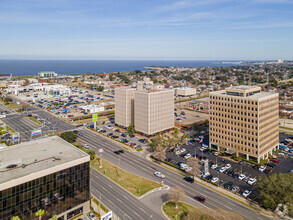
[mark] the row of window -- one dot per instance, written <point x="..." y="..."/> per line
<point x="244" y="101"/>
<point x="215" y="105"/>
<point x="234" y="122"/>
<point x="235" y="140"/>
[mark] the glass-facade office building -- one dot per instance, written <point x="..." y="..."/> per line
<point x="61" y="192"/>
<point x="55" y="193"/>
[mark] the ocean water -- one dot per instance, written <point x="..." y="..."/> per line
<point x="32" y="67"/>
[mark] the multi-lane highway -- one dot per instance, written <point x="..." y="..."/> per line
<point x="121" y="202"/>
<point x="140" y="166"/>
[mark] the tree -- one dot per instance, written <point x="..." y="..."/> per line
<point x="155" y="143"/>
<point x="100" y="88"/>
<point x="131" y="129"/>
<point x="69" y="136"/>
<point x="15" y="218"/>
<point x="276" y="189"/>
<point x="40" y="213"/>
<point x="92" y="153"/>
<point x="193" y="163"/>
<point x="175" y="194"/>
<point x="7" y="100"/>
<point x="26" y="82"/>
<point x="182" y="138"/>
<point x="111" y="78"/>
<point x="54" y="217"/>
<point x="160" y="153"/>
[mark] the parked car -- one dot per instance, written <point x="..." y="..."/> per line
<point x="246" y="193"/>
<point x="86" y="146"/>
<point x="235" y="188"/>
<point x="251" y="181"/>
<point x="215" y="179"/>
<point x="262" y="168"/>
<point x="228" y="185"/>
<point x="241" y="177"/>
<point x="228" y="166"/>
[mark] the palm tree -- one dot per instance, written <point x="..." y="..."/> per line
<point x="183" y="138"/>
<point x="40" y="213"/>
<point x="15" y="218"/>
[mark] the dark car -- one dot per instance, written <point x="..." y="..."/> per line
<point x="200" y="198"/>
<point x="11" y="166"/>
<point x="189" y="179"/>
<point x="121" y="151"/>
<point x="228" y="185"/>
<point x="267" y="171"/>
<point x="116" y="152"/>
<point x="110" y="134"/>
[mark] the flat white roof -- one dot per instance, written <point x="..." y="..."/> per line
<point x="36" y="156"/>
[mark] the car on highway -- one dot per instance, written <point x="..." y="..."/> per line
<point x="159" y="174"/>
<point x="246" y="193"/>
<point x="215" y="179"/>
<point x="11" y="166"/>
<point x="235" y="188"/>
<point x="189" y="179"/>
<point x="251" y="181"/>
<point x="200" y="198"/>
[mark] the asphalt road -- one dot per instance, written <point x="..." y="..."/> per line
<point x="120" y="201"/>
<point x="139" y="165"/>
<point x="135" y="164"/>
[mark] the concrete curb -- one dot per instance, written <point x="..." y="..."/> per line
<point x="154" y="190"/>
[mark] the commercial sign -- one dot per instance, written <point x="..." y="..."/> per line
<point x="107" y="216"/>
<point x="95" y="117"/>
<point x="15" y="139"/>
<point x="36" y="132"/>
<point x="206" y="167"/>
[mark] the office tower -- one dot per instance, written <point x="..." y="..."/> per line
<point x="244" y="120"/>
<point x="48" y="174"/>
<point x="124" y="106"/>
<point x="154" y="111"/>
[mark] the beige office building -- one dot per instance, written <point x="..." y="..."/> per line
<point x="124" y="106"/>
<point x="154" y="110"/>
<point x="244" y="120"/>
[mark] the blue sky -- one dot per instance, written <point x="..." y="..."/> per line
<point x="146" y="29"/>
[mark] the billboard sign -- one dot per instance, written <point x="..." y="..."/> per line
<point x="206" y="167"/>
<point x="95" y="117"/>
<point x="107" y="216"/>
<point x="36" y="132"/>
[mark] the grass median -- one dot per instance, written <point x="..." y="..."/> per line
<point x="34" y="120"/>
<point x="186" y="211"/>
<point x="136" y="185"/>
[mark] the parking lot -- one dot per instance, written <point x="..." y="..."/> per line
<point x="116" y="133"/>
<point x="232" y="174"/>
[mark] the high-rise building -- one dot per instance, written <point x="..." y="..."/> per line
<point x="124" y="106"/>
<point x="154" y="110"/>
<point x="47" y="74"/>
<point x="150" y="110"/>
<point x="48" y="174"/>
<point x="244" y="120"/>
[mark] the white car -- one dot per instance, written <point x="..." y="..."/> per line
<point x="187" y="156"/>
<point x="228" y="166"/>
<point x="159" y="174"/>
<point x="2" y="116"/>
<point x="222" y="169"/>
<point x="201" y="137"/>
<point x="251" y="181"/>
<point x="216" y="153"/>
<point x="246" y="193"/>
<point x="196" y="139"/>
<point x="91" y="216"/>
<point x="187" y="169"/>
<point x="262" y="168"/>
<point x="241" y="176"/>
<point x="202" y="149"/>
<point x="235" y="188"/>
<point x="177" y="152"/>
<point x="182" y="150"/>
<point x="183" y="166"/>
<point x="86" y="146"/>
<point x="214" y="166"/>
<point x="215" y="179"/>
<point x="204" y="145"/>
<point x="177" y="147"/>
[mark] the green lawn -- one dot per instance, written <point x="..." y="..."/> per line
<point x="135" y="184"/>
<point x="286" y="128"/>
<point x="181" y="211"/>
<point x="197" y="212"/>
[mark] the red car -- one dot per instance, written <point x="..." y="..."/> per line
<point x="275" y="161"/>
<point x="200" y="198"/>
